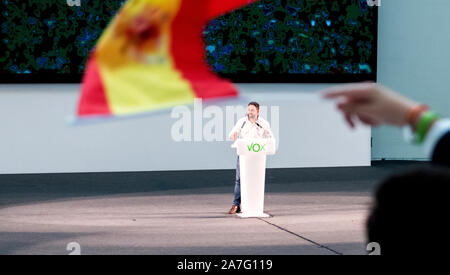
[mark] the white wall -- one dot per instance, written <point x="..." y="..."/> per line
<point x="35" y="137"/>
<point x="413" y="58"/>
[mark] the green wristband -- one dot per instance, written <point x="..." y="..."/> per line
<point x="424" y="124"/>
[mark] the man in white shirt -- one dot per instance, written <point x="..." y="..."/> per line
<point x="252" y="126"/>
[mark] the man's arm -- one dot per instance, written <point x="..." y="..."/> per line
<point x="237" y="127"/>
<point x="375" y="105"/>
<point x="266" y="127"/>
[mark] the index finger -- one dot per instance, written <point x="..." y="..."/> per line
<point x="359" y="90"/>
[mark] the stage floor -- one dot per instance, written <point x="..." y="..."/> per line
<point x="315" y="211"/>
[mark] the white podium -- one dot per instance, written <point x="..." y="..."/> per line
<point x="252" y="160"/>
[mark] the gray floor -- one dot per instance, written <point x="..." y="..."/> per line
<point x="315" y="211"/>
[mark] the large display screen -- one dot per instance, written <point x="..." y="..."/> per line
<point x="267" y="41"/>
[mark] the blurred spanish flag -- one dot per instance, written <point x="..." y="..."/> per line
<point x="151" y="57"/>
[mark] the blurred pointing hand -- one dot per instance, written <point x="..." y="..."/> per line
<point x="371" y="103"/>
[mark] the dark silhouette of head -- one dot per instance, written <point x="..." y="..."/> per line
<point x="410" y="213"/>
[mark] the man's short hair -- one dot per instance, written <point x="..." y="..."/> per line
<point x="254" y="104"/>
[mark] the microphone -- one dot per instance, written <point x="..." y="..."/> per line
<point x="240" y="130"/>
<point x="266" y="133"/>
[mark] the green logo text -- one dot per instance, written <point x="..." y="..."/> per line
<point x="255" y="147"/>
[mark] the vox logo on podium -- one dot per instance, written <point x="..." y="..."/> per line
<point x="255" y="147"/>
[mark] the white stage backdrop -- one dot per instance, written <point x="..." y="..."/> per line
<point x="35" y="137"/>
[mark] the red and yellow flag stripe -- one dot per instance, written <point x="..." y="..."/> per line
<point x="152" y="57"/>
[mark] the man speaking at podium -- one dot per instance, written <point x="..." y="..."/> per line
<point x="252" y="127"/>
